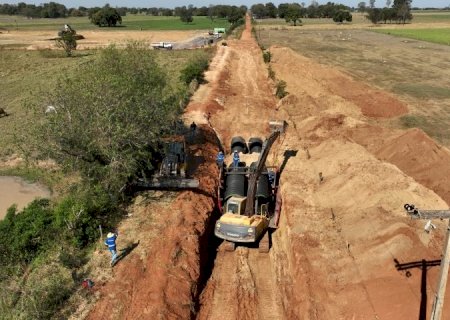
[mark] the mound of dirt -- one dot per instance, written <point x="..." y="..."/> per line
<point x="413" y="151"/>
<point x="318" y="81"/>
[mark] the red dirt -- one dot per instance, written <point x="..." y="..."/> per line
<point x="333" y="254"/>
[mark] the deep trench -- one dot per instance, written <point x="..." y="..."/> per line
<point x="209" y="245"/>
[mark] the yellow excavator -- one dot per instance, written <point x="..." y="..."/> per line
<point x="249" y="213"/>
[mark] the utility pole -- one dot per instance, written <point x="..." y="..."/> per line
<point x="436" y="312"/>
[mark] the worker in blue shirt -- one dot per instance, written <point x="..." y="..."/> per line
<point x="220" y="159"/>
<point x="235" y="159"/>
<point x="111" y="243"/>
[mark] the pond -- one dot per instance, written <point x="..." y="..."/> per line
<point x="15" y="190"/>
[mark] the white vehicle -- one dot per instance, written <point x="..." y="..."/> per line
<point x="162" y="45"/>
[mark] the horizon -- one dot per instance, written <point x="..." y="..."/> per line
<point x="199" y="3"/>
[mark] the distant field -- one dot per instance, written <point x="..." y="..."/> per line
<point x="129" y="22"/>
<point x="441" y="36"/>
<point x="430" y="16"/>
<point x="419" y="17"/>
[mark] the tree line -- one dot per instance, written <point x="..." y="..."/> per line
<point x="56" y="10"/>
<point x="294" y="12"/>
<point x="399" y="12"/>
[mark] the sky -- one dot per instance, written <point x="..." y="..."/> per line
<point x="199" y="3"/>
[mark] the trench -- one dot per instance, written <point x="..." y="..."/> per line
<point x="209" y="246"/>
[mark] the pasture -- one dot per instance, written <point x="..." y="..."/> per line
<point x="438" y="35"/>
<point x="129" y="22"/>
<point x="32" y="75"/>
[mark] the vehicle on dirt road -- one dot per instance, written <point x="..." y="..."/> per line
<point x="249" y="213"/>
<point x="161" y="45"/>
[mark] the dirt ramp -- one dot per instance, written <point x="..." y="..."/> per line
<point x="321" y="82"/>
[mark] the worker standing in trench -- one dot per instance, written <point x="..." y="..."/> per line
<point x="235" y="160"/>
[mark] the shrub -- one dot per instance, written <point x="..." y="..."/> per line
<point x="271" y="73"/>
<point x="281" y="89"/>
<point x="267" y="56"/>
<point x="194" y="70"/>
<point x="79" y="215"/>
<point x="25" y="234"/>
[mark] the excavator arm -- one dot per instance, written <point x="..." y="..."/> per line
<point x="251" y="191"/>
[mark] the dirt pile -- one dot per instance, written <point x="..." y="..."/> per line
<point x="343" y="233"/>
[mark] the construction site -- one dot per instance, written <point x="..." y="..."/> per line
<point x="335" y="242"/>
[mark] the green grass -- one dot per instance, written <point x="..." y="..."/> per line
<point x="422" y="91"/>
<point x="24" y="74"/>
<point x="129" y="22"/>
<point x="441" y="36"/>
<point x="430" y="16"/>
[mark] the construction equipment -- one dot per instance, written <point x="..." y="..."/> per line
<point x="415" y="213"/>
<point x="249" y="213"/>
<point x="172" y="173"/>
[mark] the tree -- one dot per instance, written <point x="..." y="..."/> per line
<point x="362" y="7"/>
<point x="342" y="15"/>
<point x="259" y="10"/>
<point x="211" y="12"/>
<point x="372" y="4"/>
<point x="293" y="13"/>
<point x="403" y="10"/>
<point x="105" y="17"/>
<point x="67" y="40"/>
<point x="186" y="15"/>
<point x="282" y="9"/>
<point x="374" y="15"/>
<point x="271" y="10"/>
<point x="109" y="117"/>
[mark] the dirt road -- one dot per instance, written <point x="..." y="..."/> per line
<point x="341" y="238"/>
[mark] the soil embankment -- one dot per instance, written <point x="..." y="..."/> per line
<point x="342" y="232"/>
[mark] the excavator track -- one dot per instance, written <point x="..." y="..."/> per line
<point x="264" y="243"/>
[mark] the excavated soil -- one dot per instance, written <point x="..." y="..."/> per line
<point x="341" y="236"/>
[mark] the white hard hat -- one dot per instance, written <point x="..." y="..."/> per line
<point x="110" y="235"/>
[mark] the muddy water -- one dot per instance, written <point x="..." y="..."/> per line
<point x="18" y="191"/>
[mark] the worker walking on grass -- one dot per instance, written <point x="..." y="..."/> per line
<point x="111" y="243"/>
<point x="220" y="159"/>
<point x="235" y="159"/>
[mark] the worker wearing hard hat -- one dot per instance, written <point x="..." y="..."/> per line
<point x="220" y="159"/>
<point x="111" y="243"/>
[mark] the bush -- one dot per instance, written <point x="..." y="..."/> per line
<point x="281" y="89"/>
<point x="267" y="56"/>
<point x="79" y="215"/>
<point x="194" y="70"/>
<point x="271" y="73"/>
<point x="25" y="234"/>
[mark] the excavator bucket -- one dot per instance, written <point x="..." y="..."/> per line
<point x="278" y="125"/>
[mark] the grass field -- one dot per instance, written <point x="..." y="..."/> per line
<point x="441" y="36"/>
<point x="129" y="22"/>
<point x="25" y="74"/>
<point x="419" y="17"/>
